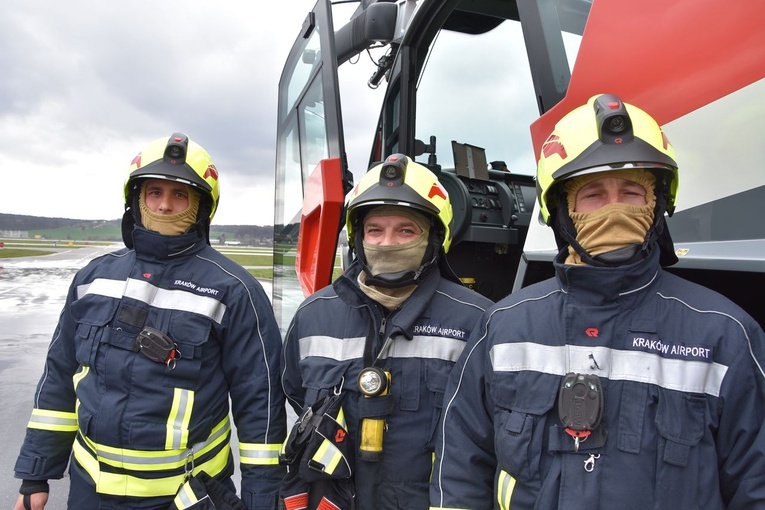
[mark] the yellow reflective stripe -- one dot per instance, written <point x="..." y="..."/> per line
<point x="185" y="497"/>
<point x="259" y="454"/>
<point x="152" y="460"/>
<point x="116" y="484"/>
<point x="179" y="419"/>
<point x="80" y="375"/>
<point x="328" y="456"/>
<point x="505" y="487"/>
<point x="57" y="421"/>
<point x="341" y="419"/>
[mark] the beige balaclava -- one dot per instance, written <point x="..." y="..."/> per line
<point x="169" y="224"/>
<point x="395" y="258"/>
<point x="614" y="225"/>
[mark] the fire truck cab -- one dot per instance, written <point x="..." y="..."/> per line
<point x="471" y="89"/>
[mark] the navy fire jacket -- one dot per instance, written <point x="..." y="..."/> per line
<point x="135" y="425"/>
<point x="324" y="351"/>
<point x="681" y="369"/>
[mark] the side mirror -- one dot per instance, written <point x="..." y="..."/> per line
<point x="374" y="25"/>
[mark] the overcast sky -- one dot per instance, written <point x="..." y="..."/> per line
<point x="86" y="84"/>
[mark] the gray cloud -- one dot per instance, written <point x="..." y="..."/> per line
<point x="85" y="78"/>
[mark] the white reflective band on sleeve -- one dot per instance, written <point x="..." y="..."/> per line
<point x="259" y="454"/>
<point x="58" y="421"/>
<point x="673" y="374"/>
<point x="155" y="296"/>
<point x="344" y="349"/>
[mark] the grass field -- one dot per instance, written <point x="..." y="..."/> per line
<point x="9" y="253"/>
<point x="106" y="233"/>
<point x="13" y="248"/>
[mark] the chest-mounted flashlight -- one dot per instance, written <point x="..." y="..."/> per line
<point x="373" y="382"/>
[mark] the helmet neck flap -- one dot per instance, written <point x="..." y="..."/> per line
<point x="657" y="235"/>
<point x="400" y="278"/>
<point x="132" y="216"/>
<point x="401" y="182"/>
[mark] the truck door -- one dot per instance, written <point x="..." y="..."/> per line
<point x="310" y="161"/>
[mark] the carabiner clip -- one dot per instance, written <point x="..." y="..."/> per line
<point x="589" y="463"/>
<point x="337" y="390"/>
<point x="188" y="467"/>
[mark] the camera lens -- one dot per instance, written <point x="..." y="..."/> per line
<point x="617" y="124"/>
<point x="391" y="172"/>
<point x="174" y="152"/>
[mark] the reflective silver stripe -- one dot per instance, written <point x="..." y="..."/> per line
<point x="328" y="455"/>
<point x="344" y="349"/>
<point x="102" y="287"/>
<point x="179" y="419"/>
<point x="428" y="347"/>
<point x="155" y="296"/>
<point x="338" y="349"/>
<point x="260" y="454"/>
<point x="53" y="420"/>
<point x="185" y="497"/>
<point x="673" y="374"/>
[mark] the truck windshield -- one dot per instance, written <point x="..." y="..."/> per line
<point x="476" y="88"/>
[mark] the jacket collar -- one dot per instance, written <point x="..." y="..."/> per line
<point x="150" y="245"/>
<point x="400" y="321"/>
<point x="600" y="285"/>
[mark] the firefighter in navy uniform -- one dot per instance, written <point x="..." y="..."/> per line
<point x="151" y="343"/>
<point x="382" y="339"/>
<point x="614" y="384"/>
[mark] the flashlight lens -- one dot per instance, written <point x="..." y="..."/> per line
<point x="175" y="151"/>
<point x="370" y="382"/>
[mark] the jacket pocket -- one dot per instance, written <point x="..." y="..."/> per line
<point x="680" y="421"/>
<point x="92" y="316"/>
<point x="436" y="375"/>
<point x="522" y="401"/>
<point x="189" y="332"/>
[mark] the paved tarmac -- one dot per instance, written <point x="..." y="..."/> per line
<point x="32" y="293"/>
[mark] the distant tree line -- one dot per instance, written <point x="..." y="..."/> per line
<point x="21" y="222"/>
<point x="245" y="234"/>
